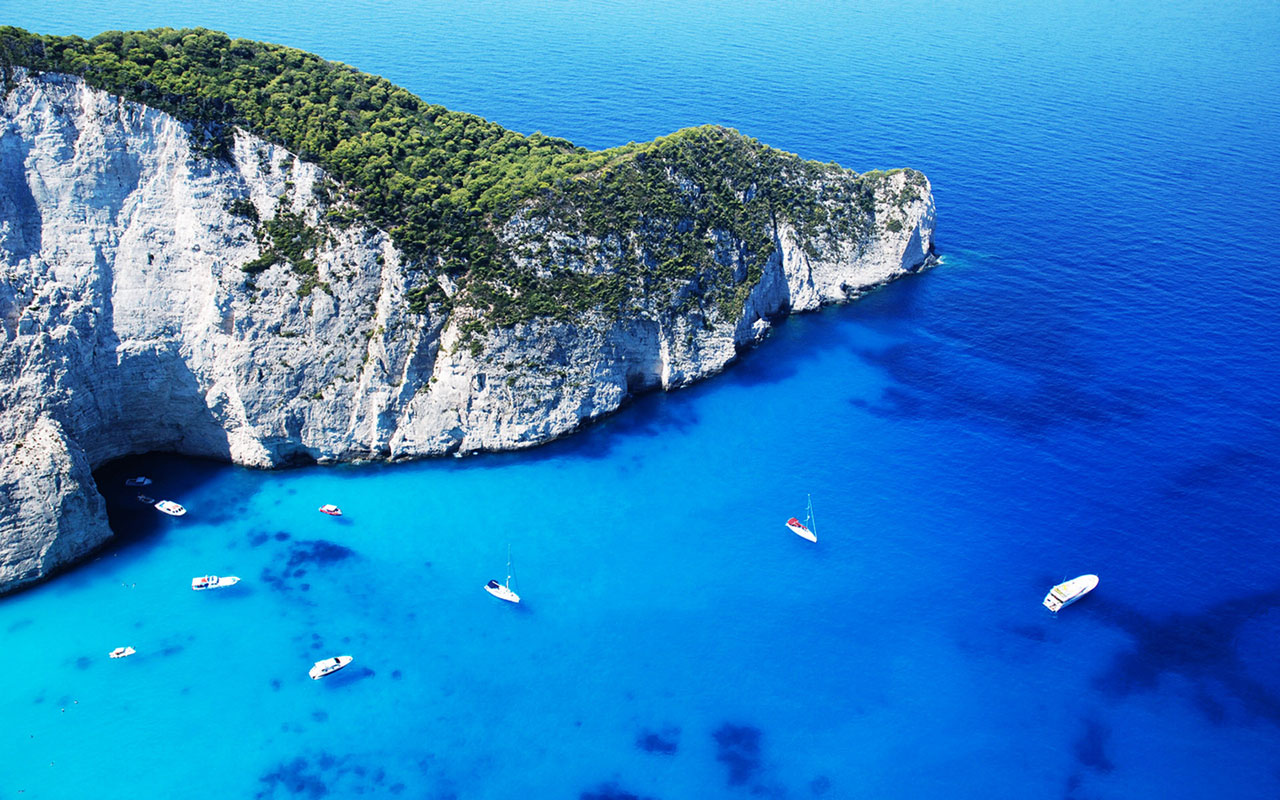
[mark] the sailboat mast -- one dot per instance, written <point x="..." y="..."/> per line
<point x="508" y="566"/>
<point x="813" y="524"/>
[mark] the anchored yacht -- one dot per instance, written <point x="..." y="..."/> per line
<point x="1067" y="592"/>
<point x="213" y="582"/>
<point x="328" y="666"/>
<point x="171" y="508"/>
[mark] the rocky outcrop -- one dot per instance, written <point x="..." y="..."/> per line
<point x="129" y="325"/>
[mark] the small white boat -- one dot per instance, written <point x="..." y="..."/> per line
<point x="122" y="652"/>
<point x="328" y="666"/>
<point x="142" y="498"/>
<point x="171" y="508"/>
<point x="807" y="529"/>
<point x="213" y="582"/>
<point x="141" y="480"/>
<point x="1067" y="592"/>
<point x="331" y="510"/>
<point x="502" y="591"/>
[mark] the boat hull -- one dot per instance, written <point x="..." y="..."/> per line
<point x="798" y="528"/>
<point x="171" y="508"/>
<point x="1068" y="592"/>
<point x="501" y="592"/>
<point x="213" y="582"/>
<point x="328" y="666"/>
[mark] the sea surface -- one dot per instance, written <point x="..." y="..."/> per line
<point x="1090" y="382"/>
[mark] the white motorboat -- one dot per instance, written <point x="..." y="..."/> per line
<point x="171" y="508"/>
<point x="328" y="666"/>
<point x="807" y="529"/>
<point x="331" y="510"/>
<point x="213" y="582"/>
<point x="502" y="591"/>
<point x="141" y="480"/>
<point x="1067" y="592"/>
<point x="122" y="652"/>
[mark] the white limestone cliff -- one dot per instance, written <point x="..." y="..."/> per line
<point x="128" y="325"/>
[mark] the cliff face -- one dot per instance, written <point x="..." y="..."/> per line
<point x="129" y="325"/>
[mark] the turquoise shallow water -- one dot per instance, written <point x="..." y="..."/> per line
<point x="1088" y="384"/>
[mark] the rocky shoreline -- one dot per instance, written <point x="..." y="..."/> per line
<point x="130" y="326"/>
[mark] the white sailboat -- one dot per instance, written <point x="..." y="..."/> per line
<point x="1067" y="592"/>
<point x="807" y="529"/>
<point x="502" y="591"/>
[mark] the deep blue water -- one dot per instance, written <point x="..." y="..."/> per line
<point x="1090" y="383"/>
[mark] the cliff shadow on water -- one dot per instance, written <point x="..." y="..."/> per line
<point x="136" y="525"/>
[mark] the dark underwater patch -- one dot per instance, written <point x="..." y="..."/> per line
<point x="322" y="775"/>
<point x="303" y="555"/>
<point x="1073" y="785"/>
<point x="1035" y="633"/>
<point x="316" y="552"/>
<point x="1091" y="747"/>
<point x="1202" y="648"/>
<point x="738" y="748"/>
<point x="281" y="536"/>
<point x="664" y="742"/>
<point x="258" y="538"/>
<point x="1029" y="383"/>
<point x="610" y="791"/>
<point x="293" y="778"/>
<point x="1222" y="464"/>
<point x="84" y="662"/>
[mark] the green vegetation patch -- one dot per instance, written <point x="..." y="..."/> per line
<point x="687" y="220"/>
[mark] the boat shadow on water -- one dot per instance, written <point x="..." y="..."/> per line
<point x="348" y="676"/>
